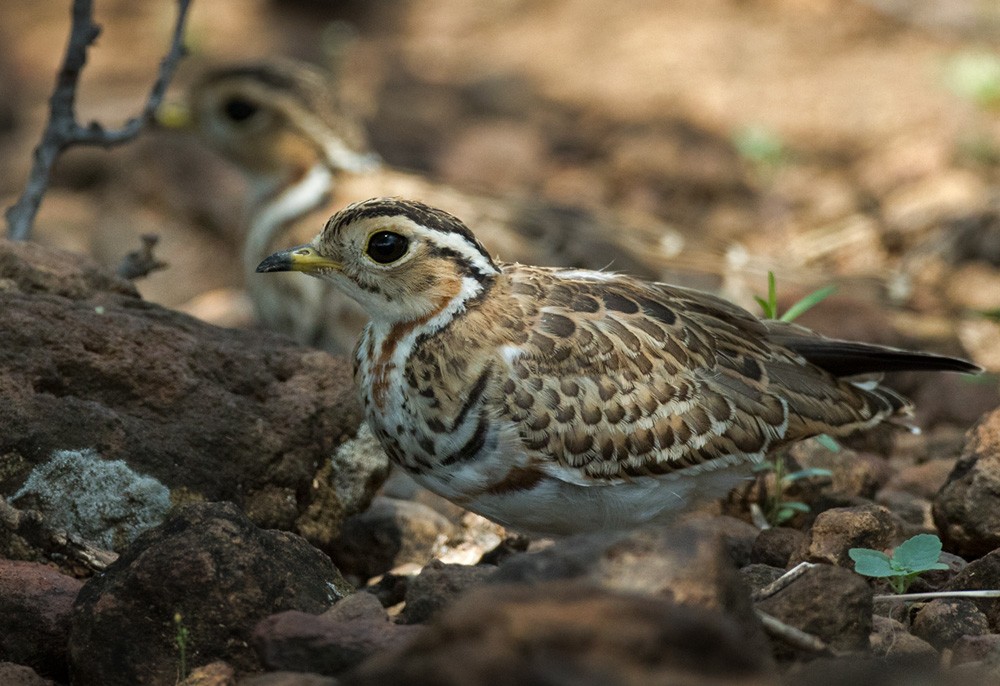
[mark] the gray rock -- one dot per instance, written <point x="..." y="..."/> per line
<point x="437" y="585"/>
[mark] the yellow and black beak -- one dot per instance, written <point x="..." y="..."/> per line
<point x="303" y="258"/>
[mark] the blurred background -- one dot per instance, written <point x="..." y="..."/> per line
<point x="854" y="142"/>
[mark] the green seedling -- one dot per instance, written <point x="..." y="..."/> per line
<point x="909" y="559"/>
<point x="181" y="639"/>
<point x="760" y="145"/>
<point x="770" y="306"/>
<point x="776" y="509"/>
<point x="975" y="76"/>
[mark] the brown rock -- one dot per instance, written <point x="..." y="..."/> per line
<point x="36" y="602"/>
<point x="838" y="530"/>
<point x="288" y="679"/>
<point x="570" y="632"/>
<point x="757" y="576"/>
<point x="965" y="510"/>
<point x="775" y="546"/>
<point x="20" y="675"/>
<point x="976" y="648"/>
<point x="213" y="674"/>
<point x="943" y="621"/>
<point x="981" y="575"/>
<point x="296" y="641"/>
<point x="890" y="639"/>
<point x="209" y="413"/>
<point x="389" y="533"/>
<point x="828" y="602"/>
<point x="924" y="480"/>
<point x="687" y="563"/>
<point x="437" y="585"/>
<point x="212" y="566"/>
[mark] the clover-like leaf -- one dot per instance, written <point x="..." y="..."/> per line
<point x="918" y="554"/>
<point x="872" y="562"/>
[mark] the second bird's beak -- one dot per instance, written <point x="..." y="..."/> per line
<point x="303" y="258"/>
<point x="174" y="115"/>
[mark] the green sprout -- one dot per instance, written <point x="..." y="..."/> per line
<point x="181" y="639"/>
<point x="760" y="145"/>
<point x="776" y="509"/>
<point x="770" y="306"/>
<point x="975" y="76"/>
<point x="909" y="559"/>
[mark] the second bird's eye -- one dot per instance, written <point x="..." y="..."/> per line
<point x="386" y="246"/>
<point x="238" y="109"/>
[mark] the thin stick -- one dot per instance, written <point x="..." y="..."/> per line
<point x="903" y="597"/>
<point x="793" y="636"/>
<point x="783" y="581"/>
<point x="63" y="130"/>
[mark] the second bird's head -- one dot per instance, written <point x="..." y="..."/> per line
<point x="400" y="259"/>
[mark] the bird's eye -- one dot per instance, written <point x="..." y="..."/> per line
<point x="386" y="246"/>
<point x="239" y="110"/>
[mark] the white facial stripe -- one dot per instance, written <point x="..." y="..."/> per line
<point x="456" y="243"/>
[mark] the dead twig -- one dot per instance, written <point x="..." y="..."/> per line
<point x="63" y="130"/>
<point x="141" y="262"/>
<point x="31" y="526"/>
<point x="796" y="638"/>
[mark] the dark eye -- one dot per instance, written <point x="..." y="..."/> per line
<point x="386" y="246"/>
<point x="238" y="109"/>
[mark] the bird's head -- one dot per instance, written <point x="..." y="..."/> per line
<point x="401" y="260"/>
<point x="273" y="119"/>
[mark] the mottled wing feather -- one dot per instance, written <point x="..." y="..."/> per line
<point x="620" y="378"/>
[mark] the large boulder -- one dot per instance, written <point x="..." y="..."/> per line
<point x="133" y="399"/>
<point x="207" y="571"/>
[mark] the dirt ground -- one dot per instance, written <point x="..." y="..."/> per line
<point x="824" y="140"/>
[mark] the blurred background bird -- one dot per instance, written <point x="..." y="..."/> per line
<point x="306" y="156"/>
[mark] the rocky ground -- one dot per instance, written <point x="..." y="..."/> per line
<point x="181" y="499"/>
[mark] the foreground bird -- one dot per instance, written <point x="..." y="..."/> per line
<point x="282" y="124"/>
<point x="557" y="401"/>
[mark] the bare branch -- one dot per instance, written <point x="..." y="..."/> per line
<point x="63" y="130"/>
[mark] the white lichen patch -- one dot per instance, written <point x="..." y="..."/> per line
<point x="102" y="501"/>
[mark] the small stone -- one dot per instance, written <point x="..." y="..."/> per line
<point x="389" y="533"/>
<point x="301" y="642"/>
<point x="20" y="675"/>
<point x="943" y="621"/>
<point x="437" y="585"/>
<point x="965" y="510"/>
<point x="828" y="602"/>
<point x="981" y="575"/>
<point x="985" y="647"/>
<point x="775" y="546"/>
<point x="890" y="639"/>
<point x="838" y="530"/>
<point x="213" y="674"/>
<point x="355" y="607"/>
<point x="288" y="679"/>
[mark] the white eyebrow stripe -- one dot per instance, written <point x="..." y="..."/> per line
<point x="457" y="243"/>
